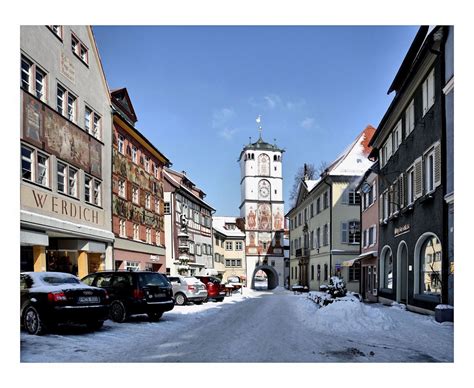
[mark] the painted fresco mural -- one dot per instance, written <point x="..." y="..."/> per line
<point x="251" y="219"/>
<point x="264" y="216"/>
<point x="42" y="125"/>
<point x="278" y="219"/>
<point x="263" y="165"/>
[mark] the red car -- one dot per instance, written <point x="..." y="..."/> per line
<point x="215" y="289"/>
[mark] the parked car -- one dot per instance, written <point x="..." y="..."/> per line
<point x="215" y="288"/>
<point x="188" y="289"/>
<point x="235" y="281"/>
<point x="134" y="292"/>
<point x="50" y="298"/>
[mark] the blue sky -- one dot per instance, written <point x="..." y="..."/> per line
<point x="197" y="91"/>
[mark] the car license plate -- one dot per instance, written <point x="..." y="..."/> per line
<point x="88" y="299"/>
<point x="159" y="295"/>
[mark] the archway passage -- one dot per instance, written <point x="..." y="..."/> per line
<point x="262" y="272"/>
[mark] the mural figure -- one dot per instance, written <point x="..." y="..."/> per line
<point x="252" y="239"/>
<point x="278" y="220"/>
<point x="264" y="217"/>
<point x="251" y="219"/>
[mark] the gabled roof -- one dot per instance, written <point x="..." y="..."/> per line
<point x="219" y="222"/>
<point x="180" y="181"/>
<point x="121" y="99"/>
<point x="354" y="160"/>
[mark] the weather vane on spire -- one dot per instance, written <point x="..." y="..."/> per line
<point x="258" y="120"/>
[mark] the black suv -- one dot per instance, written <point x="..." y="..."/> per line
<point x="136" y="292"/>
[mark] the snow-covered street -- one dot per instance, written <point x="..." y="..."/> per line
<point x="258" y="326"/>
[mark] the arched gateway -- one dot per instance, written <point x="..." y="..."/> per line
<point x="272" y="276"/>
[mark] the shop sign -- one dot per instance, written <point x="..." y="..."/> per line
<point x="50" y="203"/>
<point x="401" y="230"/>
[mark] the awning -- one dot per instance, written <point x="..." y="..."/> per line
<point x="368" y="254"/>
<point x="349" y="263"/>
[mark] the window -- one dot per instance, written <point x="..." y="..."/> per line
<point x="318" y="238"/>
<point x="148" y="235"/>
<point x="157" y="205"/>
<point x="371" y="235"/>
<point x="325" y="272"/>
<point x="326" y="200"/>
<point x="311" y="212"/>
<point x="354" y="197"/>
<point x="147" y="164"/>
<point x="305" y="215"/>
<point x="429" y="172"/>
<point x="312" y="240"/>
<point x="158" y="237"/>
<point x="132" y="266"/>
<point x="397" y="137"/>
<point x="135" y="195"/>
<point x="410" y="118"/>
<point x="33" y="79"/>
<point x="57" y="30"/>
<point x="92" y="190"/>
<point x="66" y="179"/>
<point x="136" y="231"/>
<point x="238" y="245"/>
<point x="134" y="154"/>
<point x="388" y="269"/>
<point x="318" y="205"/>
<point x="428" y="92"/>
<point x="326" y="235"/>
<point x="92" y="124"/>
<point x="312" y="272"/>
<point x="385" y="205"/>
<point x="120" y="143"/>
<point x="228" y="245"/>
<point x="122" y="228"/>
<point x="354" y="273"/>
<point x="79" y="49"/>
<point x="148" y="200"/>
<point x="66" y="103"/>
<point x="122" y="188"/>
<point x="318" y="272"/>
<point x="299" y="219"/>
<point x="34" y="166"/>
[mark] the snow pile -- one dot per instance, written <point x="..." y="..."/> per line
<point x="346" y="314"/>
<point x="398" y="306"/>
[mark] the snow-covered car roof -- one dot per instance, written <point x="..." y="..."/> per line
<point x="55" y="281"/>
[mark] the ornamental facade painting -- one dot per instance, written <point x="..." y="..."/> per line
<point x="263" y="165"/>
<point x="264" y="216"/>
<point x="251" y="219"/>
<point x="278" y="219"/>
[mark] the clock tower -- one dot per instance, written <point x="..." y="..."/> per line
<point x="262" y="208"/>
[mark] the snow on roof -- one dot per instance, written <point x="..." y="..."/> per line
<point x="354" y="160"/>
<point x="311" y="184"/>
<point x="219" y="224"/>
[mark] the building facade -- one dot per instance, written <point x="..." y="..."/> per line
<point x="325" y="221"/>
<point x="367" y="261"/>
<point x="409" y="143"/>
<point x="183" y="197"/>
<point x="229" y="244"/>
<point x="137" y="192"/>
<point x="262" y="208"/>
<point x="66" y="144"/>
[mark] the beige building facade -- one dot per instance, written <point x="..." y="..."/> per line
<point x="65" y="140"/>
<point x="325" y="222"/>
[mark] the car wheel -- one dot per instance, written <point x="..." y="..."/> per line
<point x="220" y="299"/>
<point x="32" y="321"/>
<point x="117" y="312"/>
<point x="180" y="299"/>
<point x="95" y="325"/>
<point x="155" y="316"/>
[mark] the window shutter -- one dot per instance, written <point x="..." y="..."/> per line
<point x="401" y="190"/>
<point x="381" y="208"/>
<point x="431" y="93"/>
<point x="375" y="234"/>
<point x="396" y="196"/>
<point x="389" y="147"/>
<point x="437" y="165"/>
<point x="418" y="178"/>
<point x="344" y="232"/>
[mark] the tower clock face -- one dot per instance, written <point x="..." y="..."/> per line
<point x="264" y="191"/>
